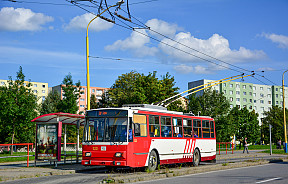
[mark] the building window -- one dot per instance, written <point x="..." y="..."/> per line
<point x="82" y="105"/>
<point x="231" y="99"/>
<point x="35" y="85"/>
<point x="244" y="99"/>
<point x="281" y="90"/>
<point x="2" y="83"/>
<point x="237" y="86"/>
<point x="43" y="86"/>
<point x="262" y="101"/>
<point x="224" y="85"/>
<point x="231" y="106"/>
<point x="254" y="87"/>
<point x="276" y="89"/>
<point x="99" y="92"/>
<point x="269" y="102"/>
<point x="269" y="95"/>
<point x="34" y="91"/>
<point x="255" y="107"/>
<point x="93" y="90"/>
<point x="237" y="92"/>
<point x="244" y="93"/>
<point x="43" y="98"/>
<point x="24" y="84"/>
<point x="250" y="100"/>
<point x="250" y="93"/>
<point x="244" y="106"/>
<point x="244" y="86"/>
<point x="43" y="91"/>
<point x="238" y="106"/>
<point x="231" y="85"/>
<point x="261" y="88"/>
<point x="255" y="101"/>
<point x="231" y="92"/>
<point x="261" y="95"/>
<point x="269" y="89"/>
<point x="276" y="95"/>
<point x="250" y="88"/>
<point x="82" y="99"/>
<point x="82" y="92"/>
<point x="262" y="108"/>
<point x="224" y="91"/>
<point x="277" y="102"/>
<point x="250" y="107"/>
<point x="238" y="99"/>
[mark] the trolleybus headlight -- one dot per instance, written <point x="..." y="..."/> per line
<point x="118" y="154"/>
<point x="88" y="154"/>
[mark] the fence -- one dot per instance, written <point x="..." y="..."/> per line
<point x="22" y="147"/>
<point x="19" y="149"/>
<point x="227" y="146"/>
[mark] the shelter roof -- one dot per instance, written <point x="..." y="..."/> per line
<point x="65" y="118"/>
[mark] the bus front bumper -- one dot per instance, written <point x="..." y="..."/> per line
<point x="103" y="162"/>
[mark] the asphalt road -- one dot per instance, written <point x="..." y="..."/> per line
<point x="268" y="173"/>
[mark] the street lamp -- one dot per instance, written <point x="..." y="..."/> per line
<point x="285" y="132"/>
<point x="87" y="52"/>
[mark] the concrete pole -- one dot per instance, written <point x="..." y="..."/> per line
<point x="285" y="128"/>
<point x="270" y="126"/>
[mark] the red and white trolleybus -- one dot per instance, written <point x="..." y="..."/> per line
<point x="146" y="135"/>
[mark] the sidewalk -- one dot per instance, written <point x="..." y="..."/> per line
<point x="18" y="170"/>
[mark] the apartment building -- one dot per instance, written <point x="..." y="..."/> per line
<point x="82" y="102"/>
<point x="252" y="96"/>
<point x="40" y="89"/>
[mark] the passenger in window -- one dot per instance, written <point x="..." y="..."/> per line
<point x="167" y="131"/>
<point x="194" y="134"/>
<point x="178" y="135"/>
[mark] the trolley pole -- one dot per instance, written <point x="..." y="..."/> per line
<point x="284" y="115"/>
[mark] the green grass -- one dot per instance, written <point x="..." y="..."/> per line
<point x="276" y="151"/>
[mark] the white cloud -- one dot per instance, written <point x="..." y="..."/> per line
<point x="136" y="42"/>
<point x="185" y="69"/>
<point x="81" y="22"/>
<point x="216" y="46"/>
<point x="162" y="27"/>
<point x="281" y="40"/>
<point x="21" y="19"/>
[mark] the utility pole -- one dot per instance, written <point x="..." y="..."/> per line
<point x="284" y="115"/>
<point x="270" y="126"/>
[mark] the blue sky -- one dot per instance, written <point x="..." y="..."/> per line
<point x="48" y="40"/>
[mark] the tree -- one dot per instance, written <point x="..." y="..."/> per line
<point x="136" y="88"/>
<point x="274" y="117"/>
<point x="18" y="107"/>
<point x="93" y="102"/>
<point x="71" y="93"/>
<point x="245" y="124"/>
<point x="51" y="103"/>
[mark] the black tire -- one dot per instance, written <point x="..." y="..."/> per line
<point x="153" y="161"/>
<point x="196" y="157"/>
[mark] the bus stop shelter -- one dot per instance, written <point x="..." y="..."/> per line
<point x="48" y="135"/>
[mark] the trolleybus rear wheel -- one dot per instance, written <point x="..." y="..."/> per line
<point x="153" y="161"/>
<point x="196" y="157"/>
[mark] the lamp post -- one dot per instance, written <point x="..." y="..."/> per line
<point x="285" y="132"/>
<point x="87" y="54"/>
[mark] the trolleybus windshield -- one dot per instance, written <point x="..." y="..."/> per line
<point x="104" y="128"/>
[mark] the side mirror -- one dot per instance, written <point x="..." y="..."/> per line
<point x="137" y="129"/>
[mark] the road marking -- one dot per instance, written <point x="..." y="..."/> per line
<point x="268" y="180"/>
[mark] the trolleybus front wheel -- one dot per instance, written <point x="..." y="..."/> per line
<point x="153" y="161"/>
<point x="196" y="157"/>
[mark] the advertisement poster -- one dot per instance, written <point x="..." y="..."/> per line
<point x="46" y="143"/>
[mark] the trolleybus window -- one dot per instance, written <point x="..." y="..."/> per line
<point x="154" y="127"/>
<point x="140" y="123"/>
<point x="105" y="130"/>
<point x="205" y="129"/>
<point x="166" y="130"/>
<point x="187" y="127"/>
<point x="177" y="124"/>
<point x="197" y="128"/>
<point x="212" y="129"/>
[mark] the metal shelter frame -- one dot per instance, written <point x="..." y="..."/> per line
<point x="62" y="119"/>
